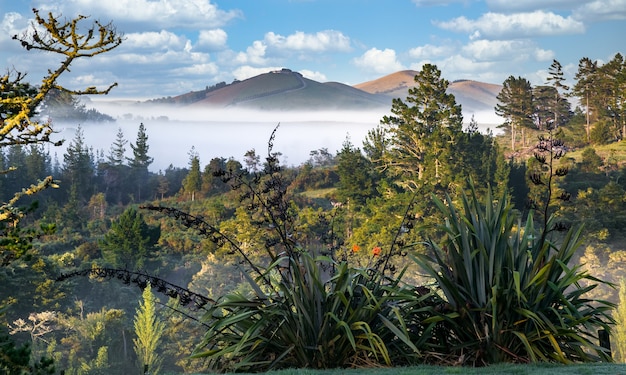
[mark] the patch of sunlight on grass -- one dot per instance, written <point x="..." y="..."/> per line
<point x="319" y="193"/>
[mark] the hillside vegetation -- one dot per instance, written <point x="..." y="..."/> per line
<point x="429" y="244"/>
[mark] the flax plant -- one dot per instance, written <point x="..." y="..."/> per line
<point x="307" y="309"/>
<point x="512" y="295"/>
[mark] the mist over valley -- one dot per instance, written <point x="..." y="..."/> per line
<point x="227" y="120"/>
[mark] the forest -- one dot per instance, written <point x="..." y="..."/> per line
<point x="384" y="253"/>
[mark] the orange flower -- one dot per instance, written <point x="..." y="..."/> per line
<point x="355" y="248"/>
<point x="376" y="251"/>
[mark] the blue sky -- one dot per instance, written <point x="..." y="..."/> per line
<point x="175" y="46"/>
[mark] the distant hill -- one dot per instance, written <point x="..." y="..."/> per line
<point x="288" y="90"/>
<point x="474" y="96"/>
<point x="281" y="90"/>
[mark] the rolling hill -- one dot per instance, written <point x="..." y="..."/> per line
<point x="284" y="90"/>
<point x="288" y="90"/>
<point x="474" y="96"/>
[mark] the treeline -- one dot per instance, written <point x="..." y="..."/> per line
<point x="599" y="90"/>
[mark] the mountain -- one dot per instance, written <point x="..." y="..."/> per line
<point x="282" y="90"/>
<point x="474" y="96"/>
<point x="288" y="90"/>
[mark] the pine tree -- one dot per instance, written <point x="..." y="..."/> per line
<point x="78" y="166"/>
<point x="557" y="79"/>
<point x="356" y="178"/>
<point x="423" y="131"/>
<point x="140" y="161"/>
<point x="515" y="104"/>
<point x="193" y="181"/>
<point x="118" y="149"/>
<point x="130" y="240"/>
<point x="584" y="89"/>
<point x="149" y="330"/>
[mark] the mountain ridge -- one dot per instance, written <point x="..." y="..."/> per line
<point x="288" y="90"/>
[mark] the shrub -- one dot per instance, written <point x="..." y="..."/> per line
<point x="512" y="295"/>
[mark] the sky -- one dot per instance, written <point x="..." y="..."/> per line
<point x="175" y="46"/>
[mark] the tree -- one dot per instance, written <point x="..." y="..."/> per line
<point x="149" y="330"/>
<point x="611" y="85"/>
<point x="140" y="161"/>
<point x="193" y="181"/>
<point x="113" y="173"/>
<point x="252" y="160"/>
<point x="130" y="240"/>
<point x="515" y="104"/>
<point x="78" y="166"/>
<point x="423" y="131"/>
<point x="583" y="89"/>
<point x="19" y="101"/>
<point x="550" y="109"/>
<point x="18" y="104"/>
<point x="556" y="77"/>
<point x="118" y="149"/>
<point x="356" y="180"/>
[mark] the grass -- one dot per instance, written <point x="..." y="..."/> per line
<point x="318" y="193"/>
<point x="518" y="369"/>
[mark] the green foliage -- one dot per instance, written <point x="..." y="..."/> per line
<point x="149" y="330"/>
<point x="357" y="180"/>
<point x="130" y="240"/>
<point x="303" y="309"/>
<point x="424" y="131"/>
<point x="64" y="106"/>
<point x="193" y="181"/>
<point x="515" y="104"/>
<point x="512" y="294"/>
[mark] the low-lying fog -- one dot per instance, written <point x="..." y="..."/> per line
<point x="173" y="131"/>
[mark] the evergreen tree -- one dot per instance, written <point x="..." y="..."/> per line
<point x="140" y="162"/>
<point x="78" y="166"/>
<point x="130" y="241"/>
<point x="211" y="181"/>
<point x="611" y="85"/>
<point x="356" y="179"/>
<point x="252" y="161"/>
<point x="193" y="181"/>
<point x="584" y="89"/>
<point x="423" y="131"/>
<point x="149" y="330"/>
<point x="515" y="104"/>
<point x="118" y="149"/>
<point x="557" y="79"/>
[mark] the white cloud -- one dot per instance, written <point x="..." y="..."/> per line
<point x="505" y="50"/>
<point x="212" y="39"/>
<point x="12" y="24"/>
<point x="497" y="25"/>
<point x="544" y="55"/>
<point x="255" y="54"/>
<point x="163" y="40"/>
<point x="321" y="41"/>
<point x="316" y="76"/>
<point x="599" y="10"/>
<point x="429" y="51"/>
<point x="526" y="5"/>
<point x="157" y="13"/>
<point x="379" y="61"/>
<point x="206" y="69"/>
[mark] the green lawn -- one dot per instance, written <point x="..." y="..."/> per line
<point x="534" y="369"/>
